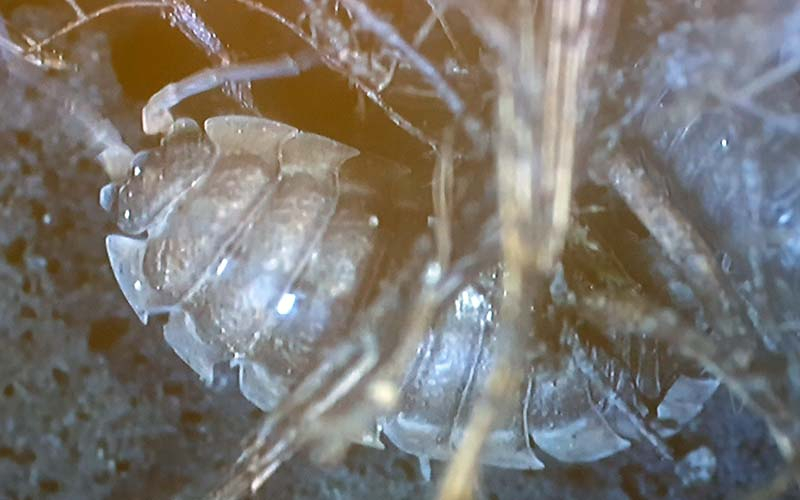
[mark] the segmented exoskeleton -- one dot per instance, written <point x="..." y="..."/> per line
<point x="261" y="243"/>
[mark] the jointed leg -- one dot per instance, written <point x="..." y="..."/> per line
<point x="739" y="365"/>
<point x="156" y="117"/>
<point x="597" y="378"/>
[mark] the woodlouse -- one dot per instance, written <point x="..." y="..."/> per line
<point x="258" y="243"/>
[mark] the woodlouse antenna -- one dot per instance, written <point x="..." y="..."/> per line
<point x="156" y="117"/>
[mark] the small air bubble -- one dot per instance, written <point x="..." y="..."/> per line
<point x="374" y="221"/>
<point x="47" y="219"/>
<point x="724" y="142"/>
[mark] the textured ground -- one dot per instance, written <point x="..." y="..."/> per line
<point x="94" y="405"/>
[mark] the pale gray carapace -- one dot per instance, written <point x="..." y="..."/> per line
<point x="259" y="241"/>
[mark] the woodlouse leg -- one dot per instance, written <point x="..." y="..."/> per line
<point x="594" y="375"/>
<point x="156" y="117"/>
<point x="731" y="361"/>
